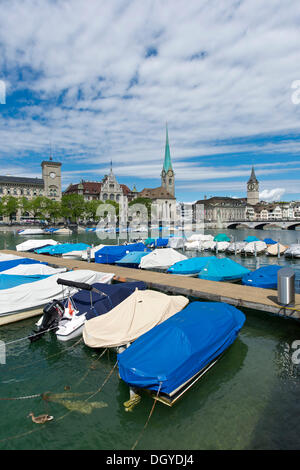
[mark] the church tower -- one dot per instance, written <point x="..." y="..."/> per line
<point x="52" y="179"/>
<point x="167" y="174"/>
<point x="252" y="189"/>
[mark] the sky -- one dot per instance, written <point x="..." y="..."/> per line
<point x="96" y="81"/>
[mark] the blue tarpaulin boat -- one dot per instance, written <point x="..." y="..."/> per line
<point x="114" y="253"/>
<point x="111" y="295"/>
<point x="133" y="259"/>
<point x="270" y="241"/>
<point x="63" y="248"/>
<point x="174" y="354"/>
<point x="5" y="265"/>
<point x="221" y="237"/>
<point x="265" y="277"/>
<point x="7" y="281"/>
<point x="190" y="266"/>
<point x="251" y="238"/>
<point x="223" y="269"/>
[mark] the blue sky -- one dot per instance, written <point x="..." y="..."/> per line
<point x="99" y="80"/>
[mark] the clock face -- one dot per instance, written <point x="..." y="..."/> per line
<point x="52" y="175"/>
<point x="251" y="187"/>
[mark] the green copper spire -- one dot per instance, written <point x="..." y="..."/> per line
<point x="167" y="162"/>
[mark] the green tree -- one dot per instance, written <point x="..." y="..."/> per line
<point x="91" y="209"/>
<point x="9" y="206"/>
<point x="24" y="205"/>
<point x="38" y="207"/>
<point x="54" y="210"/>
<point x="72" y="206"/>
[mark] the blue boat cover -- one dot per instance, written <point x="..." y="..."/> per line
<point x="265" y="277"/>
<point x="173" y="352"/>
<point x="222" y="269"/>
<point x="251" y="238"/>
<point x="112" y="295"/>
<point x="63" y="248"/>
<point x="161" y="242"/>
<point x="221" y="237"/>
<point x="112" y="254"/>
<point x="132" y="259"/>
<point x="190" y="265"/>
<point x="270" y="241"/>
<point x="12" y="280"/>
<point x="5" y="265"/>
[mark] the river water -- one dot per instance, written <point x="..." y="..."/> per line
<point x="249" y="400"/>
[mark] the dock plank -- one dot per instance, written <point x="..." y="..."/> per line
<point x="238" y="295"/>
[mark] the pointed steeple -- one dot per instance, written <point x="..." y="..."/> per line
<point x="167" y="161"/>
<point x="252" y="178"/>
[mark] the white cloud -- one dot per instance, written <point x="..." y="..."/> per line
<point x="270" y="195"/>
<point x="81" y="59"/>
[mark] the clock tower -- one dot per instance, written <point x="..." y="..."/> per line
<point x="252" y="189"/>
<point x="52" y="179"/>
<point x="167" y="174"/>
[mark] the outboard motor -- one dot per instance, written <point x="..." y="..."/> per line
<point x="52" y="314"/>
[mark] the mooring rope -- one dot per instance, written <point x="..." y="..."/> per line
<point x="147" y="422"/>
<point x="29" y="336"/>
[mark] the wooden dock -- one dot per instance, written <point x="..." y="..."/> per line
<point x="264" y="300"/>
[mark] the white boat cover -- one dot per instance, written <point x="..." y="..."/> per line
<point x="293" y="251"/>
<point x="161" y="258"/>
<point x="238" y="246"/>
<point x="33" y="269"/>
<point x="176" y="242"/>
<point x="273" y="249"/>
<point x="33" y="244"/>
<point x="258" y="246"/>
<point x="194" y="245"/>
<point x="201" y="237"/>
<point x="32" y="231"/>
<point x="25" y="297"/>
<point x="208" y="244"/>
<point x="222" y="246"/>
<point x="133" y="317"/>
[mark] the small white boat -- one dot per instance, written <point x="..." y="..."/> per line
<point x="31" y="245"/>
<point x="32" y="231"/>
<point x="34" y="269"/>
<point x="209" y="245"/>
<point x="176" y="242"/>
<point x="200" y="237"/>
<point x="63" y="231"/>
<point x="273" y="250"/>
<point x="221" y="247"/>
<point x="84" y="254"/>
<point x="236" y="247"/>
<point x="161" y="258"/>
<point x="253" y="248"/>
<point x="293" y="251"/>
<point x="25" y="298"/>
<point x="194" y="245"/>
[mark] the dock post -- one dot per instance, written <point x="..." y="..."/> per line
<point x="255" y="250"/>
<point x="278" y="248"/>
<point x="88" y="255"/>
<point x="217" y="248"/>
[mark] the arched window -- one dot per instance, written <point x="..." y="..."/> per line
<point x="112" y="197"/>
<point x="104" y="197"/>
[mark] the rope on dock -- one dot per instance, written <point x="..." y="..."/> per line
<point x="23" y="398"/>
<point x="147" y="422"/>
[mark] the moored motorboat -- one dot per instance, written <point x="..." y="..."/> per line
<point x="190" y="266"/>
<point x="161" y="259"/>
<point x="173" y="355"/>
<point x="222" y="269"/>
<point x="24" y="298"/>
<point x="253" y="248"/>
<point x="31" y="245"/>
<point x="137" y="314"/>
<point x="32" y="231"/>
<point x="265" y="277"/>
<point x="236" y="247"/>
<point x="91" y="301"/>
<point x="221" y="247"/>
<point x="293" y="251"/>
<point x="276" y="249"/>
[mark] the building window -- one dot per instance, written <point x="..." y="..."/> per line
<point x="112" y="197"/>
<point x="104" y="197"/>
<point x="117" y="197"/>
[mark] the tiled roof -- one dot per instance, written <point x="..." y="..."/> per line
<point x="156" y="193"/>
<point x="21" y="180"/>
